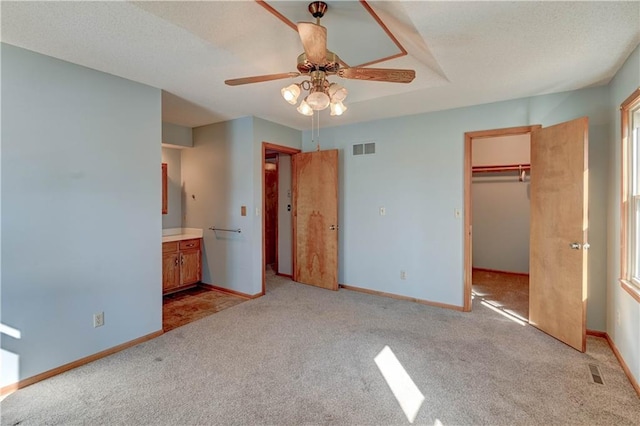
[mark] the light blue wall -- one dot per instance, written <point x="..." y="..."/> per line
<point x="217" y="176"/>
<point x="80" y="211"/>
<point x="177" y="135"/>
<point x="417" y="174"/>
<point x="223" y="171"/>
<point x="626" y="333"/>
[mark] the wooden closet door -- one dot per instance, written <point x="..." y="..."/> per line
<point x="559" y="225"/>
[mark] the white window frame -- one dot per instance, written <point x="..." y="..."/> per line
<point x="630" y="196"/>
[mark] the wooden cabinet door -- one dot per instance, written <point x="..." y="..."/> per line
<point x="170" y="271"/>
<point x="190" y="267"/>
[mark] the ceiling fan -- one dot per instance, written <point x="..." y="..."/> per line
<point x="318" y="63"/>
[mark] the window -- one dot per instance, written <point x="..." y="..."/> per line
<point x="630" y="209"/>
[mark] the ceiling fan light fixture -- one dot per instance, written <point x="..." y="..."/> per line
<point x="337" y="92"/>
<point x="337" y="108"/>
<point x="316" y="64"/>
<point x="291" y="93"/>
<point x="304" y="108"/>
<point x="318" y="100"/>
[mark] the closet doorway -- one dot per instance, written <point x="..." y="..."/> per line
<point x="277" y="185"/>
<point x="500" y="208"/>
<point x="496" y="216"/>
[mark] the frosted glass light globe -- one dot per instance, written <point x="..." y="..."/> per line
<point x="318" y="100"/>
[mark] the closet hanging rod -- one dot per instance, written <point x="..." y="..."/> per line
<point x="213" y="228"/>
<point x="505" y="168"/>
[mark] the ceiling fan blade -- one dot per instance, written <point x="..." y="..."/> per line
<point x="378" y="74"/>
<point x="314" y="41"/>
<point x="259" y="78"/>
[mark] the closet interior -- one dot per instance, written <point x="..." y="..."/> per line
<point x="500" y="214"/>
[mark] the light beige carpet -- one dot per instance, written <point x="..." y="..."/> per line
<point x="301" y="355"/>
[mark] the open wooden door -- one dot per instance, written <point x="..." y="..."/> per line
<point x="315" y="218"/>
<point x="559" y="221"/>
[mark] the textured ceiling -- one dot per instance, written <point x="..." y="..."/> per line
<point x="464" y="53"/>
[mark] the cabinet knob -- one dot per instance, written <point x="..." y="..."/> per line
<point x="182" y="260"/>
<point x="176" y="260"/>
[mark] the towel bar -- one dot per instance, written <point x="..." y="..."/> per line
<point x="213" y="228"/>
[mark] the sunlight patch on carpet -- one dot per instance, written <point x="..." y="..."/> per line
<point x="508" y="315"/>
<point x="404" y="389"/>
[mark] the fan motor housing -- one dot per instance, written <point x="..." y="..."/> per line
<point x="331" y="66"/>
<point x="317" y="9"/>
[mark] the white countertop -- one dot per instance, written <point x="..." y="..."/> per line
<point x="179" y="234"/>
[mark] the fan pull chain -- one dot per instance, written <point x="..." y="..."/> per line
<point x="313" y="133"/>
<point x="318" y="126"/>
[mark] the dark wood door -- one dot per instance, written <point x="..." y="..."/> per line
<point x="271" y="213"/>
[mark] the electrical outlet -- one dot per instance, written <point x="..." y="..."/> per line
<point x="403" y="275"/>
<point x="98" y="319"/>
<point x="383" y="211"/>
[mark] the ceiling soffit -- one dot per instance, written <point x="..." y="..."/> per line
<point x="355" y="32"/>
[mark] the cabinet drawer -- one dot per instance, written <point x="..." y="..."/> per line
<point x="170" y="247"/>
<point x="190" y="244"/>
